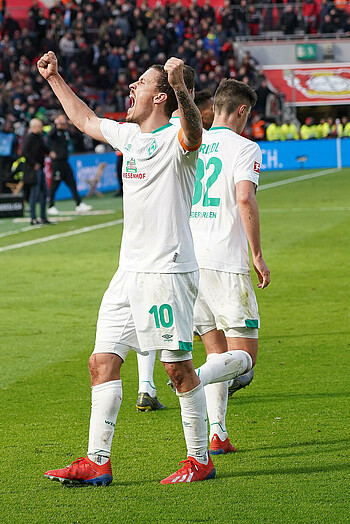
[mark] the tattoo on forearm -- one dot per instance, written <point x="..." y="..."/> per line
<point x="189" y="110"/>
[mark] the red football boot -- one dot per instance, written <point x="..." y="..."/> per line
<point x="219" y="447"/>
<point x="191" y="471"/>
<point x="83" y="471"/>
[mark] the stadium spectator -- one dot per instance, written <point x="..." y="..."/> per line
<point x="344" y="127"/>
<point x="8" y="154"/>
<point x="67" y="48"/>
<point x="59" y="141"/>
<point x="328" y="25"/>
<point x="308" y="129"/>
<point x="273" y="132"/>
<point x="241" y="17"/>
<point x="310" y="11"/>
<point x="289" y="131"/>
<point x="262" y="92"/>
<point x="289" y="20"/>
<point x="275" y="106"/>
<point x="34" y="150"/>
<point x="332" y="131"/>
<point x="322" y="129"/>
<point x="253" y="20"/>
<point x="258" y="127"/>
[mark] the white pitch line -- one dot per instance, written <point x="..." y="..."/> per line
<point x="115" y="222"/>
<point x="61" y="235"/>
<point x="298" y="178"/>
<point x="304" y="209"/>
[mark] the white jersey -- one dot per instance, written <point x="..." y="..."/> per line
<point x="225" y="158"/>
<point x="158" y="178"/>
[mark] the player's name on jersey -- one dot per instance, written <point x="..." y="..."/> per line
<point x="141" y="176"/>
<point x="203" y="214"/>
<point x="210" y="148"/>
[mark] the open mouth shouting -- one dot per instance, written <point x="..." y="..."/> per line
<point x="132" y="101"/>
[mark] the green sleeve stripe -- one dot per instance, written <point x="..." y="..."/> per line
<point x="251" y="323"/>
<point x="185" y="346"/>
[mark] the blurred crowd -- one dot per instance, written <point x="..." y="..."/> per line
<point x="103" y="46"/>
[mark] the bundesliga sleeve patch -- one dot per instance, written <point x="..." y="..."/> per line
<point x="256" y="168"/>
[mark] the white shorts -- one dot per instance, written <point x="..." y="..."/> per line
<point x="226" y="301"/>
<point x="147" y="311"/>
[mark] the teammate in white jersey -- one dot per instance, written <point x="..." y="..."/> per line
<point x="149" y="303"/>
<point x="147" y="395"/>
<point x="224" y="215"/>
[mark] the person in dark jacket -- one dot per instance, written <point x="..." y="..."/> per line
<point x="34" y="150"/>
<point x="59" y="138"/>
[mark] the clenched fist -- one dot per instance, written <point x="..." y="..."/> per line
<point x="174" y="67"/>
<point x="47" y="65"/>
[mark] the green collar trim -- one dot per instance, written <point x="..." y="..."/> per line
<point x="161" y="128"/>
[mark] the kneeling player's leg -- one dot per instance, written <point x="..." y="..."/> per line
<point x="248" y="342"/>
<point x="223" y="366"/>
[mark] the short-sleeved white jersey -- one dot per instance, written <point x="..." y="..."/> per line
<point x="158" y="179"/>
<point x="225" y="158"/>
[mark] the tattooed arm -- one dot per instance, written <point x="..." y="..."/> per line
<point x="190" y="117"/>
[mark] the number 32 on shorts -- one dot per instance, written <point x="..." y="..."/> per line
<point x="162" y="315"/>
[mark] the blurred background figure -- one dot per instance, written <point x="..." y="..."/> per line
<point x="59" y="139"/>
<point x="308" y="129"/>
<point x="34" y="150"/>
<point x="204" y="101"/>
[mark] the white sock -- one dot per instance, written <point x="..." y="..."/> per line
<point x="146" y="367"/>
<point x="106" y="399"/>
<point x="221" y="367"/>
<point x="216" y="396"/>
<point x="194" y="421"/>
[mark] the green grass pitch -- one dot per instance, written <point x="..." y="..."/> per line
<point x="291" y="425"/>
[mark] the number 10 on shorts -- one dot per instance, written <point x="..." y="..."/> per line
<point x="162" y="316"/>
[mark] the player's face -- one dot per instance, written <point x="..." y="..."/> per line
<point x="141" y="95"/>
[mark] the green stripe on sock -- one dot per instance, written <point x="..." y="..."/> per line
<point x="251" y="323"/>
<point x="185" y="346"/>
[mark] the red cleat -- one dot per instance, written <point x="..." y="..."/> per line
<point x="83" y="471"/>
<point x="219" y="447"/>
<point x="191" y="471"/>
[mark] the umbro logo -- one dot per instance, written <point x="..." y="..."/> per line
<point x="167" y="336"/>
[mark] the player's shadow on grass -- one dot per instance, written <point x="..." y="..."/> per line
<point x="345" y="443"/>
<point x="305" y="470"/>
<point x="287" y="396"/>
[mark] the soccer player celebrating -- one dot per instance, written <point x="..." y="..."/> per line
<point x="149" y="302"/>
<point x="147" y="395"/>
<point x="224" y="215"/>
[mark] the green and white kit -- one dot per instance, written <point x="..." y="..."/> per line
<point x="225" y="158"/>
<point x="149" y="303"/>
